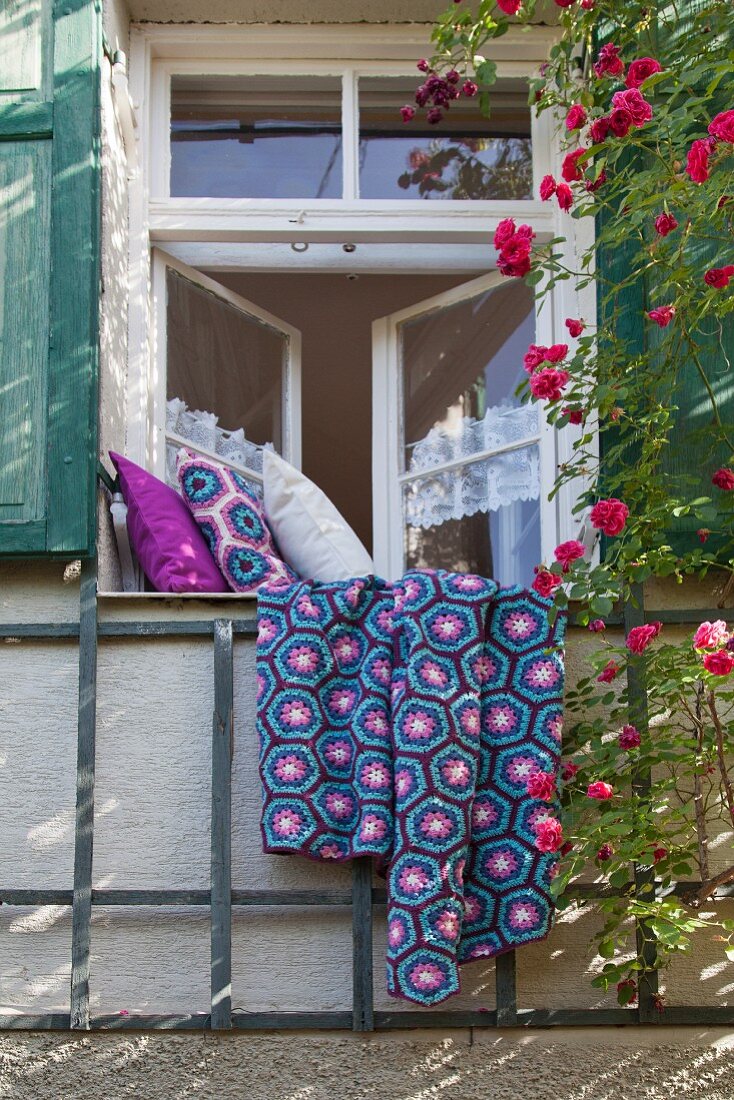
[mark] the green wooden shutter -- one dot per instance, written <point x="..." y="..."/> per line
<point x="49" y="275"/>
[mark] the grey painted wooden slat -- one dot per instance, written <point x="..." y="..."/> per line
<point x="641" y="782"/>
<point x="84" y="824"/>
<point x="39" y="631"/>
<point x="174" y="628"/>
<point x="221" y="829"/>
<point x="672" y="616"/>
<point x="505" y="977"/>
<point x="362" y="996"/>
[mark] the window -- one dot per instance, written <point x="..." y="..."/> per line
<point x="323" y="282"/>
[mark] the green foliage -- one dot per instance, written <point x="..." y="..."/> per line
<point x="657" y="407"/>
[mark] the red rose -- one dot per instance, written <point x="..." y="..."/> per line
<point x="719" y="276"/>
<point x="549" y="835"/>
<point x="548" y="384"/>
<point x="620" y="122"/>
<point x="703" y="534"/>
<point x="575" y="416"/>
<point x="469" y="88"/>
<point x="724" y="479"/>
<point x="556" y="353"/>
<point x="599" y="130"/>
<point x="658" y="854"/>
<point x="407" y="113"/>
<point x="639" y="71"/>
<point x="545" y="582"/>
<point x="587" y="5"/>
<point x="534" y="356"/>
<point x="569" y="771"/>
<point x="542" y="785"/>
<point x="664" y="224"/>
<point x="547" y="188"/>
<point x="597" y="625"/>
<point x="600" y="791"/>
<point x="697" y="161"/>
<point x="628" y="983"/>
<point x="719" y="663"/>
<point x="605" y="853"/>
<point x="610" y="672"/>
<point x="514" y="269"/>
<point x="609" y="516"/>
<point x="594" y="185"/>
<point x="722" y="126"/>
<point x="564" y="194"/>
<point x="564" y="3"/>
<point x="575" y="328"/>
<point x="609" y="62"/>
<point x="504" y="231"/>
<point x="568" y="552"/>
<point x="640" y="637"/>
<point x="634" y="102"/>
<point x="509" y="7"/>
<point x="576" y="117"/>
<point x="662" y="316"/>
<point x="570" y="169"/>
<point x="629" y="738"/>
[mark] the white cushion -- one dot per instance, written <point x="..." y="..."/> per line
<point x="313" y="537"/>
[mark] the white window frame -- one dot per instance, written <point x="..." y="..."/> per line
<point x="222" y="232"/>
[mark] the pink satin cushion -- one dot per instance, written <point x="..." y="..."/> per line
<point x="164" y="535"/>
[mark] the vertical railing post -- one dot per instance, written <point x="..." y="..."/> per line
<point x="641" y="782"/>
<point x="221" y="829"/>
<point x="81" y="919"/>
<point x="506" y="989"/>
<point x="363" y="1017"/>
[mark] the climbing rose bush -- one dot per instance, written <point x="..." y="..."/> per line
<point x="643" y="99"/>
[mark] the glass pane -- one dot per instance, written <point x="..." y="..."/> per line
<point x="465" y="156"/>
<point x="460" y="367"/>
<point x="256" y="137"/>
<point x="225" y="374"/>
<point x="482" y="518"/>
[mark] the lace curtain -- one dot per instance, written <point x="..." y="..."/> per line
<point x="201" y="430"/>
<point x="482" y="485"/>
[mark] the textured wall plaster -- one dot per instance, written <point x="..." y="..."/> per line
<point x="658" y="1064"/>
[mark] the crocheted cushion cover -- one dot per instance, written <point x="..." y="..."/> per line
<point x="232" y="522"/>
<point x="402" y="721"/>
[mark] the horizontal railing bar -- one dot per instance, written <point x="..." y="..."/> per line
<point x="586" y="890"/>
<point x="176" y="628"/>
<point x="39" y="631"/>
<point x="678" y="617"/>
<point x="675" y="1015"/>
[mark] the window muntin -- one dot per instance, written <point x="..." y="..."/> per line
<point x="465" y="156"/>
<point x="273" y="137"/>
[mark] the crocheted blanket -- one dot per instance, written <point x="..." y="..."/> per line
<point x="402" y="721"/>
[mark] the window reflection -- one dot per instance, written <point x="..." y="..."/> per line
<point x="256" y="137"/>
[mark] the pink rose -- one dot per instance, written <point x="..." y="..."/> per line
<point x="407" y="112"/>
<point x="640" y="637"/>
<point x="664" y="224"/>
<point x="570" y="169"/>
<point x="549" y="835"/>
<point x="719" y="276"/>
<point x="539" y="353"/>
<point x="599" y="130"/>
<point x="662" y="316"/>
<point x="597" y="625"/>
<point x="547" y="188"/>
<point x="569" y="771"/>
<point x="503" y="233"/>
<point x="564" y="194"/>
<point x="697" y="160"/>
<point x="609" y="516"/>
<point x="609" y="62"/>
<point x="640" y="69"/>
<point x="547" y="384"/>
<point x="620" y="122"/>
<point x="719" y="663"/>
<point x="633" y="101"/>
<point x="711" y="635"/>
<point x="722" y="126"/>
<point x="575" y="328"/>
<point x="545" y="582"/>
<point x="568" y="552"/>
<point x="629" y="738"/>
<point x="542" y="785"/>
<point x="576" y="117"/>
<point x="610" y="672"/>
<point x="600" y="791"/>
<point x="724" y="479"/>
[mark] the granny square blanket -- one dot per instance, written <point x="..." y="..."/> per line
<point x="402" y="721"/>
